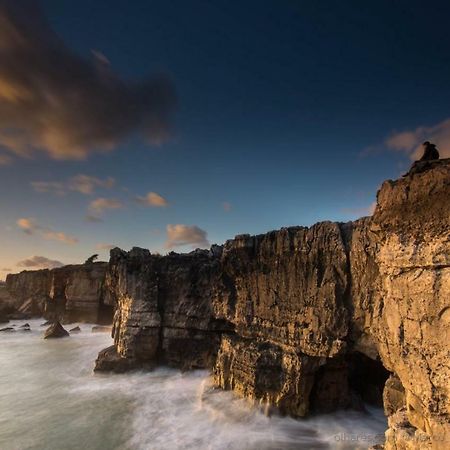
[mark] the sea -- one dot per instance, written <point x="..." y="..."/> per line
<point x="50" y="399"/>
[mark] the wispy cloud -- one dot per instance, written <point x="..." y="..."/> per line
<point x="410" y="141"/>
<point x="152" y="199"/>
<point x="99" y="205"/>
<point x="179" y="235"/>
<point x="55" y="102"/>
<point x="84" y="184"/>
<point x="360" y="211"/>
<point x="31" y="227"/>
<point x="39" y="262"/>
<point x="102" y="246"/>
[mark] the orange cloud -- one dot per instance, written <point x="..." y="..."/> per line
<point x="152" y="199"/>
<point x="29" y="226"/>
<point x="410" y="141"/>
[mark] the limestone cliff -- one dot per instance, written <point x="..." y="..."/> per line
<point x="70" y="293"/>
<point x="308" y="319"/>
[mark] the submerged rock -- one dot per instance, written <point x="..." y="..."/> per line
<point x="47" y="323"/>
<point x="101" y="329"/>
<point x="75" y="330"/>
<point x="55" y="331"/>
<point x="109" y="360"/>
<point x="7" y="330"/>
<point x="25" y="325"/>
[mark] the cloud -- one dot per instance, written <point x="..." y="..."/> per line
<point x="6" y="269"/>
<point x="360" y="212"/>
<point x="179" y="235"/>
<point x="55" y="102"/>
<point x="99" y="205"/>
<point x="29" y="226"/>
<point x="102" y="246"/>
<point x="93" y="219"/>
<point x="54" y="187"/>
<point x="226" y="206"/>
<point x="39" y="262"/>
<point x="410" y="141"/>
<point x="84" y="184"/>
<point x="152" y="199"/>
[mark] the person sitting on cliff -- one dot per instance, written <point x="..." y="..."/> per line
<point x="430" y="152"/>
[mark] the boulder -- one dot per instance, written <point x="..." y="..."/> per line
<point x="100" y="329"/>
<point x="75" y="330"/>
<point x="55" y="331"/>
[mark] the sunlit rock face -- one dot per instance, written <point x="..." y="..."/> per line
<point x="412" y="220"/>
<point x="29" y="291"/>
<point x="308" y="319"/>
<point x="76" y="294"/>
<point x="68" y="294"/>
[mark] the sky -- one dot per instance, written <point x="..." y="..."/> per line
<point x="172" y="125"/>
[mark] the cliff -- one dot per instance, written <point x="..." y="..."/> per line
<point x="308" y="319"/>
<point x="70" y="294"/>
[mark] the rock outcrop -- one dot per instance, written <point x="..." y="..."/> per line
<point x="308" y="319"/>
<point x="164" y="312"/>
<point x="70" y="294"/>
<point x="55" y="330"/>
<point x="412" y="221"/>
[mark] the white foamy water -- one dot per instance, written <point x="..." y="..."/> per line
<point x="51" y="400"/>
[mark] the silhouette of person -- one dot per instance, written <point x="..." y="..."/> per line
<point x="430" y="152"/>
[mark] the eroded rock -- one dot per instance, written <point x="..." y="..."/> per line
<point x="55" y="330"/>
<point x="294" y="318"/>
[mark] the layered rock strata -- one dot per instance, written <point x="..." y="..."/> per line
<point x="309" y="319"/>
<point x="69" y="294"/>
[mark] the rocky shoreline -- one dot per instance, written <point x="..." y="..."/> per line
<point x="301" y="319"/>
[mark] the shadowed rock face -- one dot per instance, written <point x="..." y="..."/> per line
<point x="164" y="311"/>
<point x="69" y="294"/>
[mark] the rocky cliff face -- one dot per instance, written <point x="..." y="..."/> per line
<point x="29" y="290"/>
<point x="309" y="319"/>
<point x="412" y="221"/>
<point x="164" y="312"/>
<point x="70" y="293"/>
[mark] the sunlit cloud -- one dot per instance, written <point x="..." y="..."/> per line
<point x="31" y="227"/>
<point x="55" y="102"/>
<point x="102" y="246"/>
<point x="361" y="211"/>
<point x="409" y="142"/>
<point x="98" y="206"/>
<point x="152" y="199"/>
<point x="39" y="262"/>
<point x="83" y="184"/>
<point x="179" y="235"/>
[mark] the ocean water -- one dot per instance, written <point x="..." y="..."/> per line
<point x="50" y="399"/>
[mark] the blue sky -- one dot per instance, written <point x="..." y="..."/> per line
<point x="289" y="113"/>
